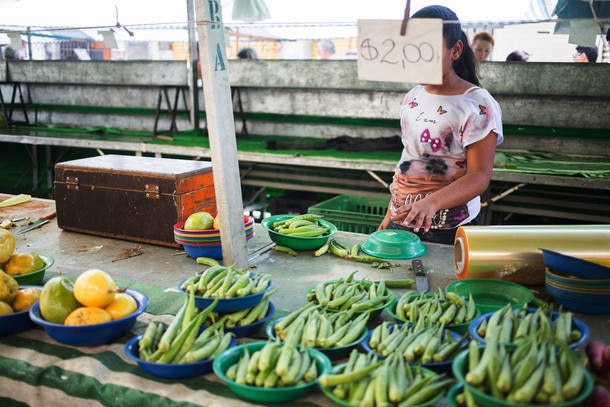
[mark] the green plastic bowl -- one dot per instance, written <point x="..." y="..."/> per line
<point x="35" y="277"/>
<point x="457" y="328"/>
<point x="490" y="294"/>
<point x="260" y="394"/>
<point x="459" y="368"/>
<point x="297" y="242"/>
<point x="394" y="244"/>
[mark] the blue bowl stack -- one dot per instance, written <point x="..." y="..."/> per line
<point x="579" y="285"/>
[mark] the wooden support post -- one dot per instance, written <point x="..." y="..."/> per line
<point x="221" y="131"/>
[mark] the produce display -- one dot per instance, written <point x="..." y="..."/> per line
<point x="350" y="294"/>
<point x="243" y="317"/>
<point x="420" y="342"/>
<point x="226" y="282"/>
<point x="13" y="298"/>
<point x="446" y="308"/>
<point x="17" y="263"/>
<point x="515" y="325"/>
<point x="181" y="341"/>
<point x="365" y="379"/>
<point x="313" y="326"/>
<point x="306" y="225"/>
<point x="92" y="298"/>
<point x="274" y="365"/>
<point x="532" y="372"/>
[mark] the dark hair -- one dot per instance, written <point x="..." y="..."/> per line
<point x="247" y="53"/>
<point x="590" y="52"/>
<point x="518" y="55"/>
<point x="465" y="66"/>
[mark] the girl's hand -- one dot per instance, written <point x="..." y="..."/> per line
<point x="385" y="223"/>
<point x="416" y="215"/>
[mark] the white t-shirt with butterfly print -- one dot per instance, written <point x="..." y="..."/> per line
<point x="436" y="129"/>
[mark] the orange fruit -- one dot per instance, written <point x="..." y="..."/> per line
<point x="216" y="223"/>
<point x="25" y="298"/>
<point x="5" y="309"/>
<point x="23" y="263"/>
<point x="122" y="305"/>
<point x="87" y="316"/>
<point x="7" y="245"/>
<point x="94" y="288"/>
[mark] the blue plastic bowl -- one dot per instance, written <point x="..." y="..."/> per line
<point x="438" y="367"/>
<point x="17" y="321"/>
<point x="585" y="303"/>
<point x="261" y="394"/>
<point x="335" y="353"/>
<point x="91" y="335"/>
<point x="228" y="304"/>
<point x="577" y="324"/>
<point x="251" y="329"/>
<point x="169" y="370"/>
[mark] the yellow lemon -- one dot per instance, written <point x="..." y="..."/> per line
<point x="122" y="305"/>
<point x="87" y="316"/>
<point x="94" y="288"/>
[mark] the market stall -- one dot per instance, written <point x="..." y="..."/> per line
<point x="38" y="369"/>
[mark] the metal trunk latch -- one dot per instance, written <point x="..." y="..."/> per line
<point x="72" y="183"/>
<point x="152" y="191"/>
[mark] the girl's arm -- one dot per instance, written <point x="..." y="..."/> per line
<point x="480" y="161"/>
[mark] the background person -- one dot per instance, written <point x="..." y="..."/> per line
<point x="449" y="133"/>
<point x="247" y="53"/>
<point x="483" y="45"/>
<point x="518" y="55"/>
<point x="326" y="49"/>
<point x="585" y="54"/>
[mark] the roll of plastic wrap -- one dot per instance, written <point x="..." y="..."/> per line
<point x="513" y="252"/>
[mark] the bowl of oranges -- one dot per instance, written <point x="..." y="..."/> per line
<point x="15" y="302"/>
<point x="89" y="311"/>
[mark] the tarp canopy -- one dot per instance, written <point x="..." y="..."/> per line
<point x="289" y="19"/>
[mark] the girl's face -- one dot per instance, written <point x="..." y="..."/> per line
<point x="482" y="49"/>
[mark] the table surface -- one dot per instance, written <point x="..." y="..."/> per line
<point x="163" y="268"/>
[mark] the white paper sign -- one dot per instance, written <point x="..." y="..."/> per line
<point x="385" y="55"/>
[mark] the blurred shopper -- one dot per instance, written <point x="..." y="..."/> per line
<point x="326" y="49"/>
<point x="518" y="55"/>
<point x="247" y="53"/>
<point x="449" y="133"/>
<point x="483" y="45"/>
<point x="585" y="54"/>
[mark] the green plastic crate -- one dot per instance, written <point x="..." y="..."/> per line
<point x="352" y="213"/>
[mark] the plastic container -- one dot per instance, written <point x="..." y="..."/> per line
<point x="91" y="335"/>
<point x="35" y="277"/>
<point x="260" y="394"/>
<point x="168" y="370"/>
<point x="17" y="321"/>
<point x="297" y="242"/>
<point x="352" y="213"/>
<point x="394" y="244"/>
<point x="490" y="294"/>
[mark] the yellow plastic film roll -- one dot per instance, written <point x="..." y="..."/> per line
<point x="513" y="253"/>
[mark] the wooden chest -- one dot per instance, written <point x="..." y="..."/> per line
<point x="131" y="198"/>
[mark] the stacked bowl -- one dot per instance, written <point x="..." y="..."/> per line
<point x="579" y="285"/>
<point x="206" y="243"/>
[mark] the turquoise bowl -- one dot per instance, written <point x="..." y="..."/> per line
<point x="297" y="242"/>
<point x="394" y="244"/>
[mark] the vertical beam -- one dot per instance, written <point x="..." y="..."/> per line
<point x="193" y="88"/>
<point x="221" y="131"/>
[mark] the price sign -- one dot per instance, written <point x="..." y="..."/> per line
<point x="385" y="55"/>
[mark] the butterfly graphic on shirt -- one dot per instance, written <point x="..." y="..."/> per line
<point x="482" y="110"/>
<point x="412" y="103"/>
<point x="435" y="142"/>
<point x="440" y="110"/>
